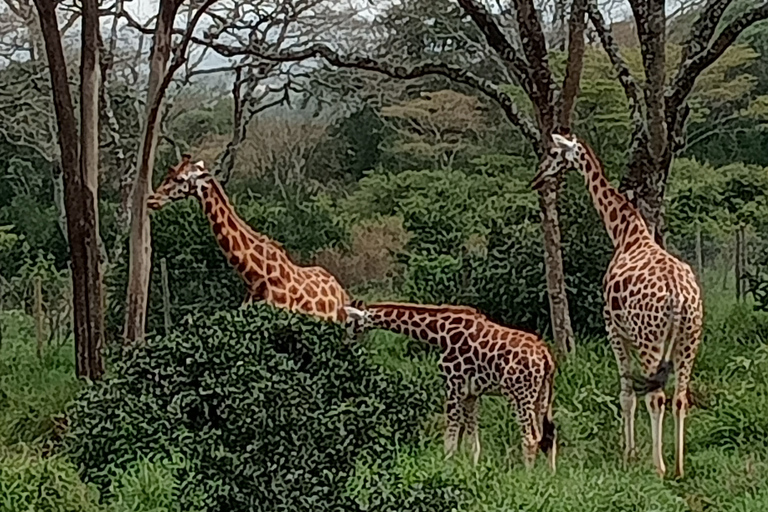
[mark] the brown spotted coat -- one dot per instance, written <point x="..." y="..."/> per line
<point x="478" y="357"/>
<point x="266" y="268"/>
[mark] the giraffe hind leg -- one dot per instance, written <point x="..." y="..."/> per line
<point x="627" y="396"/>
<point x="472" y="430"/>
<point x="684" y="364"/>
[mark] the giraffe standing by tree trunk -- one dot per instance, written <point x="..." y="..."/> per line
<point x="652" y="302"/>
<point x="263" y="264"/>
<point x="478" y="357"/>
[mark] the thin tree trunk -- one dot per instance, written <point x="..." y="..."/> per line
<point x="80" y="198"/>
<point x="139" y="268"/>
<point x="699" y="256"/>
<point x="39" y="334"/>
<point x="166" y="297"/>
<point x="738" y="264"/>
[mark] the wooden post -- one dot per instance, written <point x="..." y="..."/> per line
<point x="744" y="262"/>
<point x="39" y="316"/>
<point x="738" y="264"/>
<point x="1" y="312"/>
<point x="699" y="257"/>
<point x="166" y="297"/>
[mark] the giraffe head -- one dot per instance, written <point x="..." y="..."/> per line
<point x="359" y="320"/>
<point x="183" y="180"/>
<point x="564" y="154"/>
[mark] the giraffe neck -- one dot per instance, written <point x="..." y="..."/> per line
<point x="436" y="325"/>
<point x="246" y="249"/>
<point x="623" y="222"/>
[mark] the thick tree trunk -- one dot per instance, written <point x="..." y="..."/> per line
<point x="562" y="331"/>
<point x="139" y="268"/>
<point x="90" y="362"/>
<point x="645" y="185"/>
<point x="79" y="192"/>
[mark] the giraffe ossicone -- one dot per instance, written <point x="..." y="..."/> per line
<point x="266" y="268"/>
<point x="478" y="357"/>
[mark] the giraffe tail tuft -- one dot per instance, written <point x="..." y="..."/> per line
<point x="548" y="431"/>
<point x="656" y="381"/>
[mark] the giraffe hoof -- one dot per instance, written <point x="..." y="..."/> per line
<point x="630" y="456"/>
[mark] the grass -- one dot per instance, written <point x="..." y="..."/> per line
<point x="727" y="448"/>
<point x="727" y="443"/>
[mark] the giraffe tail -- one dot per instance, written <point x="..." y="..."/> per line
<point x="546" y="396"/>
<point x="658" y="380"/>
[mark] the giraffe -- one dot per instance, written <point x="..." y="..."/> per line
<point x="652" y="303"/>
<point x="268" y="272"/>
<point x="478" y="357"/>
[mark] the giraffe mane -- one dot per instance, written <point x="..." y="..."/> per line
<point x="241" y="223"/>
<point x="449" y="308"/>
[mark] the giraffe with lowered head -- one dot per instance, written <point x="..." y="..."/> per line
<point x="652" y="303"/>
<point x="268" y="272"/>
<point x="478" y="357"/>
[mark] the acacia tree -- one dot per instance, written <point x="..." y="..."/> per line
<point x="79" y="162"/>
<point x="659" y="107"/>
<point x="528" y="68"/>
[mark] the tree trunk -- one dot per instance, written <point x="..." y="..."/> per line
<point x="562" y="330"/>
<point x="699" y="255"/>
<point x="645" y="184"/>
<point x="139" y="268"/>
<point x="79" y="190"/>
<point x="738" y="269"/>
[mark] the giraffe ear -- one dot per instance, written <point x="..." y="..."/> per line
<point x="354" y="313"/>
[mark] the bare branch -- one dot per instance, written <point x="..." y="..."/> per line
<point x="704" y="27"/>
<point x="576" y="27"/>
<point x="631" y="87"/>
<point x="692" y="68"/>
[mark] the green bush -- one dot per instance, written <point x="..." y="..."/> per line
<point x="475" y="238"/>
<point x="270" y="410"/>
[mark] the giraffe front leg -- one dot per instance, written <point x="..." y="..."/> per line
<point x="247" y="301"/>
<point x="655" y="401"/>
<point x="453" y="415"/>
<point x="472" y="430"/>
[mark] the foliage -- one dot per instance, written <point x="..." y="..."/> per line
<point x="33" y="391"/>
<point x="270" y="410"/>
<point x="475" y="239"/>
<point x="29" y="481"/>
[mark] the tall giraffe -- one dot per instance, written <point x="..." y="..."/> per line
<point x="652" y="303"/>
<point x="268" y="272"/>
<point x="478" y="357"/>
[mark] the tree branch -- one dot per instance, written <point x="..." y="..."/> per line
<point x="692" y="68"/>
<point x="517" y="66"/>
<point x="576" y="27"/>
<point x="704" y="27"/>
<point x="631" y="87"/>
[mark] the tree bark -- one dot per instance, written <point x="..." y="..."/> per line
<point x="562" y="331"/>
<point x="140" y="263"/>
<point x="80" y="193"/>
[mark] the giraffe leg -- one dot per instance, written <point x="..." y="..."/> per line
<point x="684" y="366"/>
<point x="472" y="431"/>
<point x="525" y="408"/>
<point x="654" y="401"/>
<point x="453" y="414"/>
<point x="627" y="397"/>
<point x="247" y="301"/>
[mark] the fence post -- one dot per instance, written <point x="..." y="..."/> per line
<point x="744" y="262"/>
<point x="699" y="256"/>
<point x="39" y="315"/>
<point x="166" y="297"/>
<point x="738" y="270"/>
<point x="2" y="320"/>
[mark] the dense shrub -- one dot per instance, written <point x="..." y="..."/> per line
<point x="270" y="410"/>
